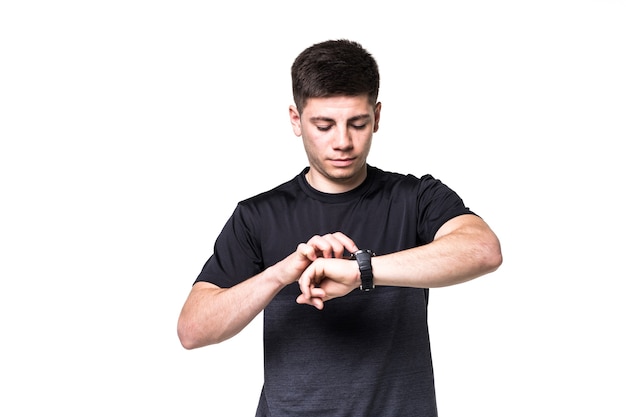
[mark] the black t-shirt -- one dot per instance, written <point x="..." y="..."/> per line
<point x="365" y="354"/>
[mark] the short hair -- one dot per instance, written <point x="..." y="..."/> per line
<point x="334" y="68"/>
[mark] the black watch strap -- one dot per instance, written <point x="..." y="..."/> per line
<point x="364" y="260"/>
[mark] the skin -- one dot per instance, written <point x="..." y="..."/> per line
<point x="337" y="135"/>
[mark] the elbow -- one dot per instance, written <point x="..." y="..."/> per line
<point x="193" y="335"/>
<point x="189" y="335"/>
<point x="492" y="256"/>
<point x="187" y="343"/>
<point x="186" y="337"/>
<point x="494" y="262"/>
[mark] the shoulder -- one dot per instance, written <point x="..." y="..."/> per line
<point x="427" y="191"/>
<point x="392" y="180"/>
<point x="272" y="201"/>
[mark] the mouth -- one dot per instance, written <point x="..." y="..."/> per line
<point x="342" y="162"/>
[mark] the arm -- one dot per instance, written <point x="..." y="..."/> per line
<point x="212" y="314"/>
<point x="464" y="248"/>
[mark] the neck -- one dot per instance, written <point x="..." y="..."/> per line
<point x="335" y="185"/>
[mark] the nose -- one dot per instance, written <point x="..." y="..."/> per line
<point x="342" y="139"/>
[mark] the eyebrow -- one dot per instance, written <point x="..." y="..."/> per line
<point x="350" y="120"/>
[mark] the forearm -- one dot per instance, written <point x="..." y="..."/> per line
<point x="465" y="253"/>
<point x="212" y="314"/>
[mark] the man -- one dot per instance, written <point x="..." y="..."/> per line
<point x="340" y="259"/>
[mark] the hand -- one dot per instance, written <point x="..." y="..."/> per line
<point x="327" y="246"/>
<point x="326" y="279"/>
<point x="331" y="245"/>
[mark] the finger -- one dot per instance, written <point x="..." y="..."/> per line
<point x="336" y="246"/>
<point x="331" y="244"/>
<point x="314" y="293"/>
<point x="322" y="245"/>
<point x="305" y="286"/>
<point x="315" y="302"/>
<point x="345" y="242"/>
<point x="340" y="243"/>
<point x="318" y="293"/>
<point x="307" y="251"/>
<point x="308" y="280"/>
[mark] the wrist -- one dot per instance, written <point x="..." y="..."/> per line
<point x="277" y="276"/>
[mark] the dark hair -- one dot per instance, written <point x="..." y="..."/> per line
<point x="334" y="68"/>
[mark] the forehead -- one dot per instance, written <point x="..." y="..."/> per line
<point x="337" y="107"/>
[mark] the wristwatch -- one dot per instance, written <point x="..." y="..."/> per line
<point x="364" y="259"/>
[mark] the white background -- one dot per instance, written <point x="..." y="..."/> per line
<point x="130" y="129"/>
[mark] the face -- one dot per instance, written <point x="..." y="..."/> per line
<point x="337" y="134"/>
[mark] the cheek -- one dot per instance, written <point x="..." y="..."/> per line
<point x="312" y="138"/>
<point x="309" y="145"/>
<point x="312" y="145"/>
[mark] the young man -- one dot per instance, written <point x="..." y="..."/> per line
<point x="340" y="259"/>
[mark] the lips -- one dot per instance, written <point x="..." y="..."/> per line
<point x="342" y="162"/>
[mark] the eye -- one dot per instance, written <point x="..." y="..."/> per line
<point x="323" y="128"/>
<point x="359" y="127"/>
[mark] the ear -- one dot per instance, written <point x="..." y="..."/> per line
<point x="294" y="116"/>
<point x="377" y="115"/>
